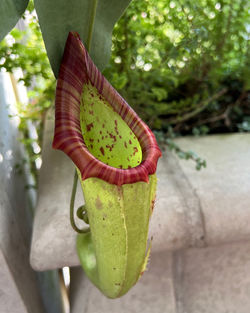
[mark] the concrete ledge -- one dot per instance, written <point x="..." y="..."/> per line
<point x="193" y="209"/>
<point x="224" y="187"/>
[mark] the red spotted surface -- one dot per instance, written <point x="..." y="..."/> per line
<point x="78" y="69"/>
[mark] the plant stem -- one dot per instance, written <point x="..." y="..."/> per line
<point x="200" y="108"/>
<point x="91" y="26"/>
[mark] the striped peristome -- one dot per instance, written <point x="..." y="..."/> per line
<point x="77" y="69"/>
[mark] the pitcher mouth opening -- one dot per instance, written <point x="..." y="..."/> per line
<point x="96" y="127"/>
<point x="106" y="135"/>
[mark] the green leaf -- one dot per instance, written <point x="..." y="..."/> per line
<point x="57" y="18"/>
<point x="159" y="93"/>
<point x="10" y="12"/>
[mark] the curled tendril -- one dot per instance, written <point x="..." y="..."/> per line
<point x="81" y="212"/>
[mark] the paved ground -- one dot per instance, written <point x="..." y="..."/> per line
<point x="209" y="280"/>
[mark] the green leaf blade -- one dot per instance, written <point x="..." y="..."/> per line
<point x="10" y="13"/>
<point x="57" y="18"/>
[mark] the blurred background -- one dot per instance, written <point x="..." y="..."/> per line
<point x="183" y="66"/>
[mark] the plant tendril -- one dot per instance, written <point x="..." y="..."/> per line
<point x="73" y="193"/>
<point x="72" y="202"/>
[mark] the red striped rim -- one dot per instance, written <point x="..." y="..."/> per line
<point x="77" y="69"/>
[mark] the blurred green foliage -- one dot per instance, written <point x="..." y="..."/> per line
<point x="24" y="49"/>
<point x="185" y="64"/>
<point x="182" y="65"/>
